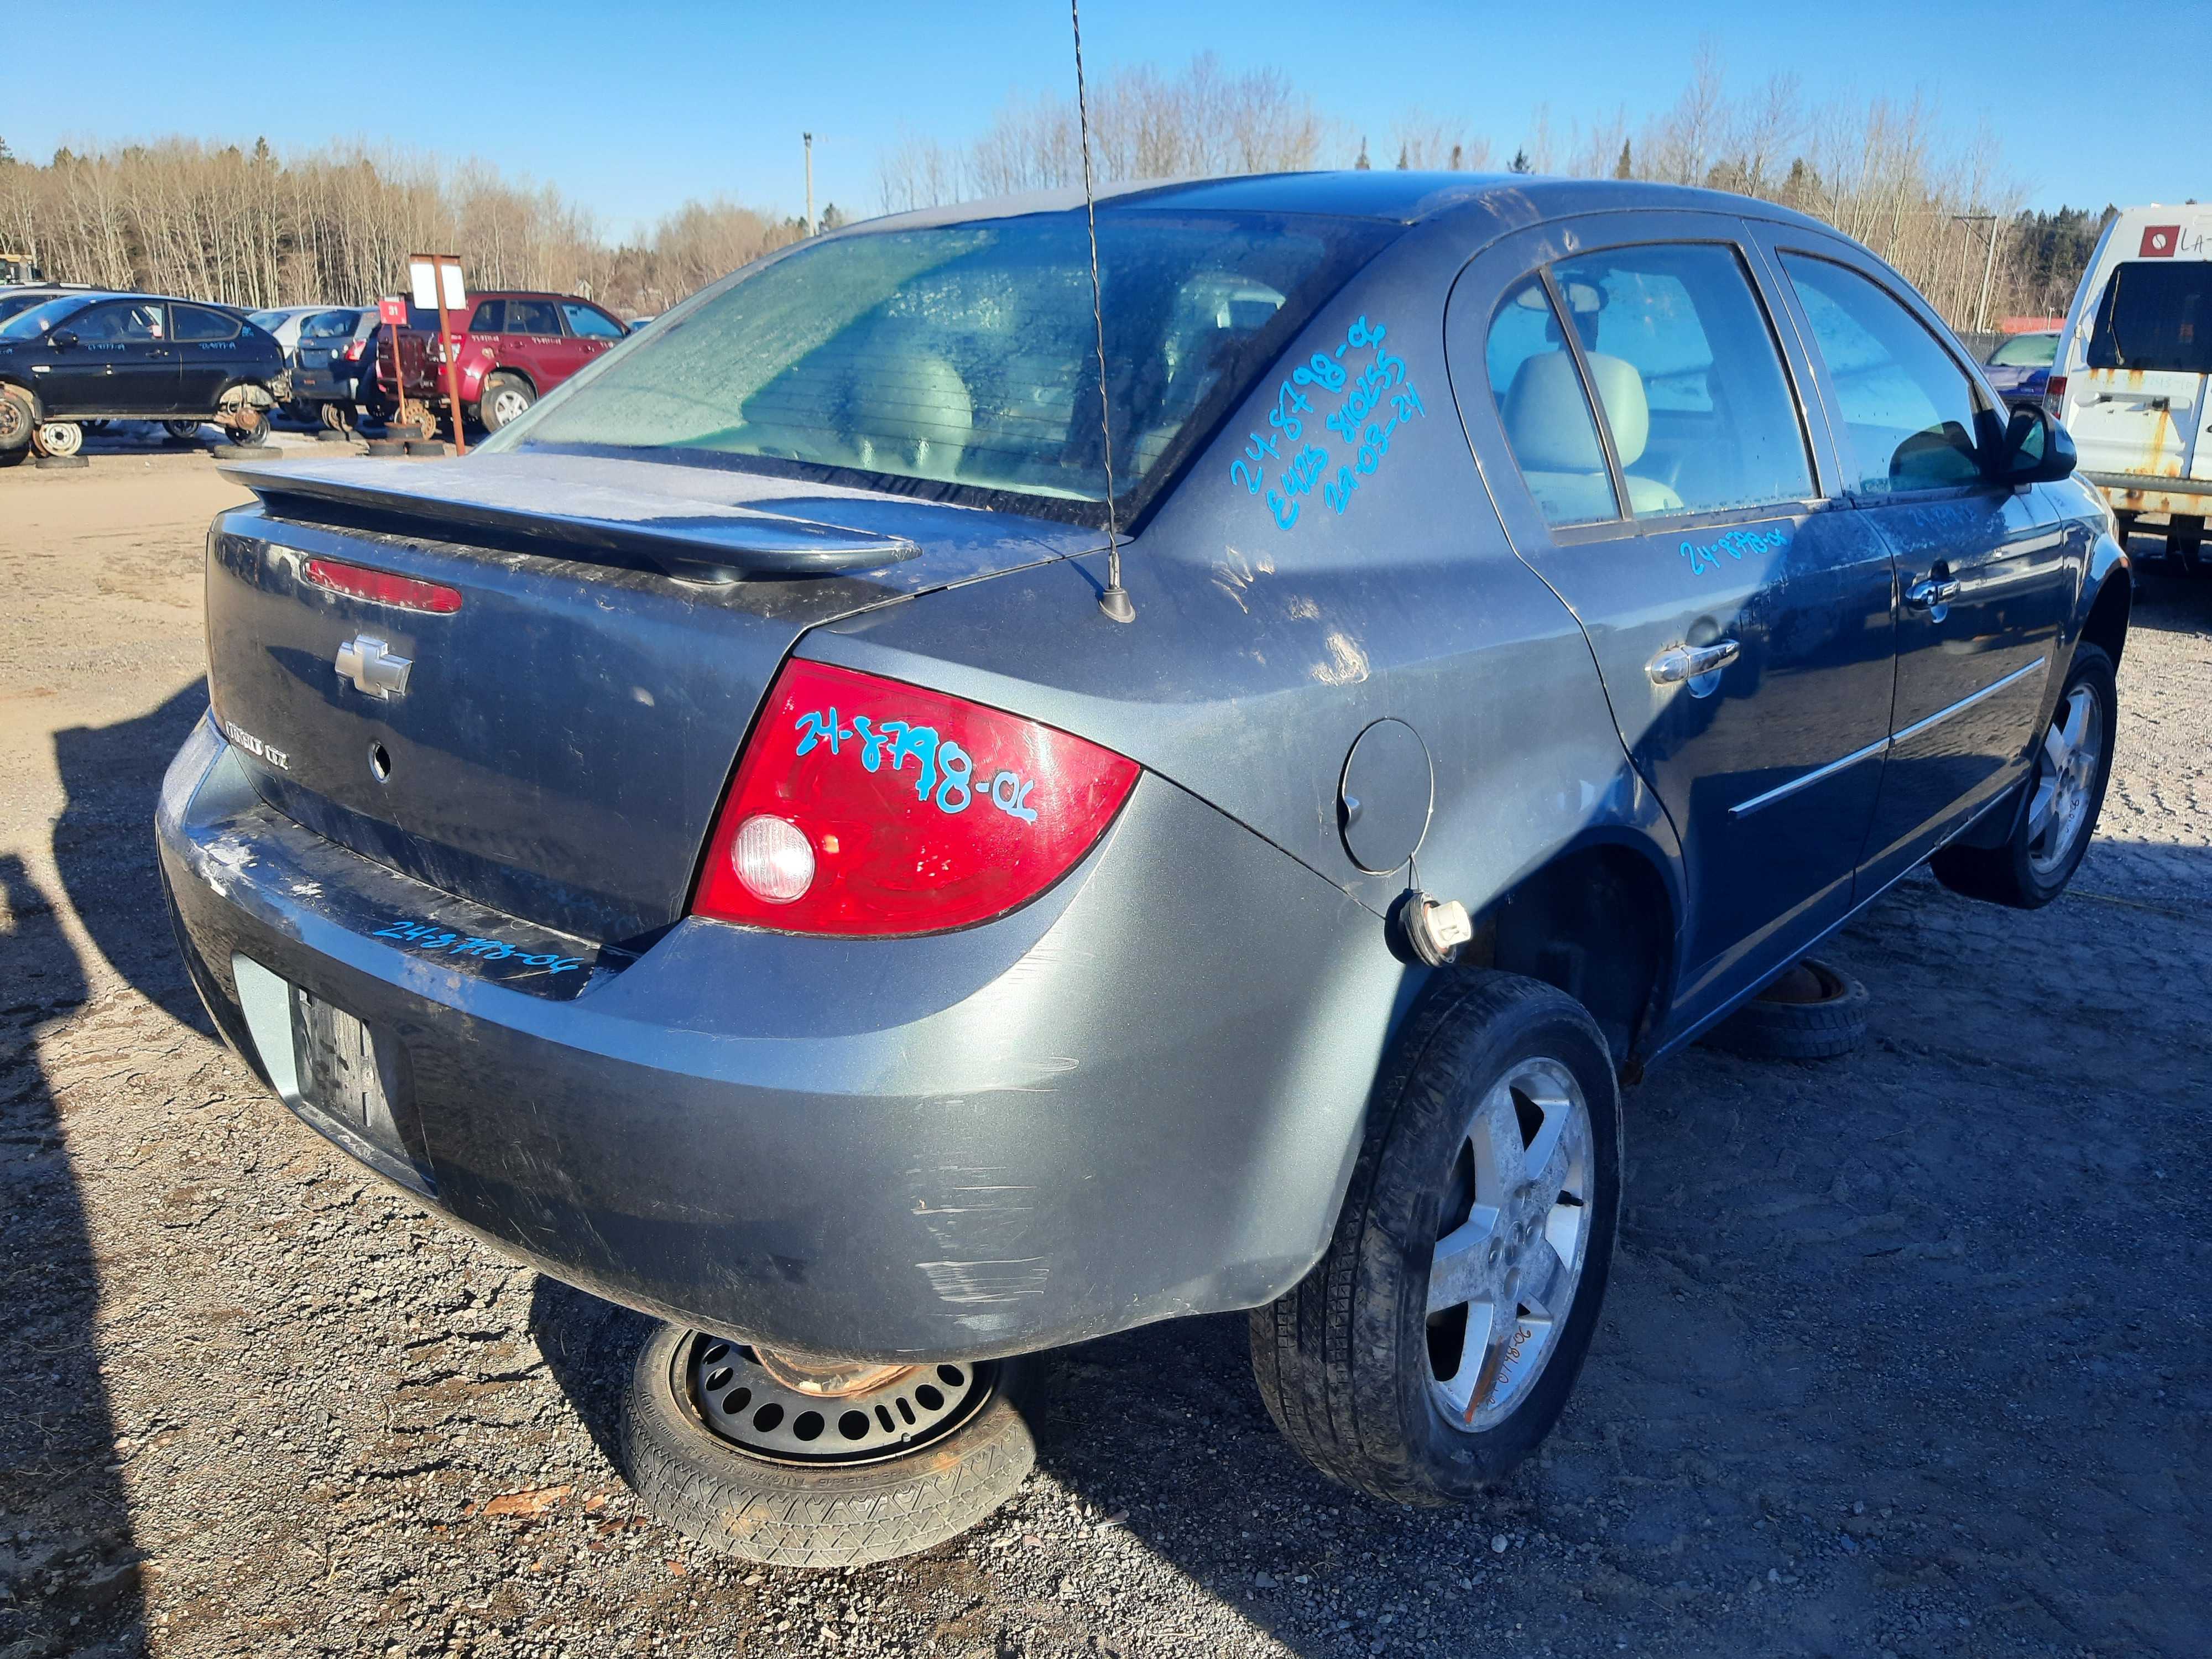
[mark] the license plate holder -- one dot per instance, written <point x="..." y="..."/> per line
<point x="341" y="1072"/>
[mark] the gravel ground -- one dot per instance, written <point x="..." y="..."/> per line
<point x="1905" y="1354"/>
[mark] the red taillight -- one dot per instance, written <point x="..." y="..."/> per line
<point x="360" y="582"/>
<point x="353" y="351"/>
<point x="869" y="808"/>
<point x="2054" y="397"/>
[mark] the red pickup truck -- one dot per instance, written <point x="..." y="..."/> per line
<point x="515" y="347"/>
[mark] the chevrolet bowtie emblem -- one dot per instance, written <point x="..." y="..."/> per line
<point x="371" y="666"/>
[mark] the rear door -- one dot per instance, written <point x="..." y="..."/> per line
<point x="532" y="342"/>
<point x="2138" y="408"/>
<point x="1983" y="580"/>
<point x="209" y="346"/>
<point x="1739" y="611"/>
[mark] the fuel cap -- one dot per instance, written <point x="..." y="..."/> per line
<point x="1383" y="802"/>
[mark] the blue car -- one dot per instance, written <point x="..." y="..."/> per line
<point x="919" y="812"/>
<point x="2020" y="369"/>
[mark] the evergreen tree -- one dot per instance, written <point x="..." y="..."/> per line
<point x="1402" y="158"/>
<point x="1362" y="164"/>
<point x="1519" y="163"/>
<point x="1626" y="167"/>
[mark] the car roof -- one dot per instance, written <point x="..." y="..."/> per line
<point x="1389" y="196"/>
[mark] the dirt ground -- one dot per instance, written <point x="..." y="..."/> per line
<point x="1906" y="1354"/>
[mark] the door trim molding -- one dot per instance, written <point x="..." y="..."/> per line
<point x="1881" y="746"/>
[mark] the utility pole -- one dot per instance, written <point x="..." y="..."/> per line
<point x="809" y="137"/>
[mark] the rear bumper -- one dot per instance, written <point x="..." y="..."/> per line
<point x="2130" y="492"/>
<point x="321" y="385"/>
<point x="1137" y="1097"/>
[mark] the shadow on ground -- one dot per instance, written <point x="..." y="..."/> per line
<point x="69" y="1566"/>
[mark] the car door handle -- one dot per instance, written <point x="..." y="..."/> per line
<point x="1935" y="592"/>
<point x="1681" y="663"/>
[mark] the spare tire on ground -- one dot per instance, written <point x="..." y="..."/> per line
<point x="1810" y="1011"/>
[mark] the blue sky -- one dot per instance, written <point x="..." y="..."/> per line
<point x="632" y="109"/>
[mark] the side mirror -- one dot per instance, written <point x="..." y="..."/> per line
<point x="2037" y="449"/>
<point x="61" y="340"/>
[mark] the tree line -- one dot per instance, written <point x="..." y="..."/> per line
<point x="248" y="226"/>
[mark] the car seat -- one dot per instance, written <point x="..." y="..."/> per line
<point x="1547" y="422"/>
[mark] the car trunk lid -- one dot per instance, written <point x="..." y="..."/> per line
<point x="556" y="743"/>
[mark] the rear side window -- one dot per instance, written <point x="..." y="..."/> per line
<point x="531" y="317"/>
<point x="1544" y="412"/>
<point x="1684" y="362"/>
<point x="2156" y="314"/>
<point x="490" y="317"/>
<point x="1911" y="413"/>
<point x="198" y="323"/>
<point x="589" y="323"/>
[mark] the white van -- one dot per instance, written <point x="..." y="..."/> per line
<point x="2135" y="362"/>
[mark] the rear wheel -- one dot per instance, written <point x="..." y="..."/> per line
<point x="16" y="421"/>
<point x="185" y="429"/>
<point x="244" y="422"/>
<point x="816" y="1464"/>
<point x="2065" y="792"/>
<point x="505" y="397"/>
<point x="332" y="417"/>
<point x="1438" y="1340"/>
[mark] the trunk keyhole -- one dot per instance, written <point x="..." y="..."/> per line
<point x="380" y="763"/>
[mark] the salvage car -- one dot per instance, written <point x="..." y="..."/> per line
<point x="2019" y="367"/>
<point x="923" y="812"/>
<point x="85" y="358"/>
<point x="328" y="364"/>
<point x="514" y="349"/>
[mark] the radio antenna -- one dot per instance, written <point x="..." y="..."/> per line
<point x="1115" y="601"/>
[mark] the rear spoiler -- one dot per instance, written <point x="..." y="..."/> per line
<point x="685" y="536"/>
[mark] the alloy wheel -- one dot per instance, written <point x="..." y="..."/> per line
<point x="1511" y="1239"/>
<point x="507" y="403"/>
<point x="2066" y="765"/>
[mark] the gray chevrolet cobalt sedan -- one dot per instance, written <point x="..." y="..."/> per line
<point x="919" y="812"/>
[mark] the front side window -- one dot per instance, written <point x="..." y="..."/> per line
<point x="198" y="323"/>
<point x="1686" y="364"/>
<point x="2156" y="314"/>
<point x="1546" y="414"/>
<point x="124" y="324"/>
<point x="589" y="322"/>
<point x="960" y="361"/>
<point x="1912" y="415"/>
<point x="531" y="317"/>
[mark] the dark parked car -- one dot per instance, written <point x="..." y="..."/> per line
<point x="328" y="363"/>
<point x="513" y="349"/>
<point x="2020" y="369"/>
<point x="816" y="834"/>
<point x="14" y="299"/>
<point x="87" y="357"/>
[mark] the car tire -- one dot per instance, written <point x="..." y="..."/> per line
<point x="183" y="431"/>
<point x="58" y="439"/>
<point x="331" y="417"/>
<point x="17" y="420"/>
<point x="2057" y="814"/>
<point x="1357" y="1370"/>
<point x="251" y="436"/>
<point x="505" y="397"/>
<point x="1810" y="1011"/>
<point x="817" y="1514"/>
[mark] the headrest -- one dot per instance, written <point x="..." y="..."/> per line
<point x="1547" y="417"/>
<point x="918" y="406"/>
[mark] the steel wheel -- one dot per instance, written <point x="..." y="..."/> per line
<point x="2066" y="770"/>
<point x="57" y="437"/>
<point x="1511" y="1239"/>
<point x="878" y="1412"/>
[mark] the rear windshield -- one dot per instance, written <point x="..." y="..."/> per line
<point x="2156" y="314"/>
<point x="329" y="324"/>
<point x="2026" y="351"/>
<point x="961" y="362"/>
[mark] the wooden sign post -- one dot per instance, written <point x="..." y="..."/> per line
<point x="437" y="281"/>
